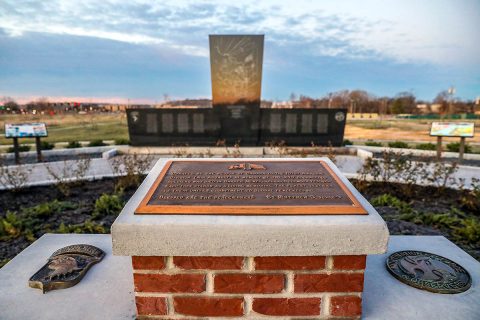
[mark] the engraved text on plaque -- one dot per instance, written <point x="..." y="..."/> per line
<point x="249" y="187"/>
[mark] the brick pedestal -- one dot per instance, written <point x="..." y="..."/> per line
<point x="249" y="287"/>
<point x="263" y="266"/>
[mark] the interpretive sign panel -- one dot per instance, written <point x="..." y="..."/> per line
<point x="253" y="187"/>
<point x="452" y="129"/>
<point x="25" y="130"/>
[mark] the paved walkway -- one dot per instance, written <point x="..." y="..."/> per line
<point x="100" y="168"/>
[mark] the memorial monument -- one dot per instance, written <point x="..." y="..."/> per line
<point x="236" y="116"/>
<point x="248" y="238"/>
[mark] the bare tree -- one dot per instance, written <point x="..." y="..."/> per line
<point x="67" y="172"/>
<point x="129" y="169"/>
<point x="13" y="177"/>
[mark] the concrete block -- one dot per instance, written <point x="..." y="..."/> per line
<point x="106" y="291"/>
<point x="236" y="235"/>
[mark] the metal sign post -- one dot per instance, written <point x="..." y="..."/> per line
<point x="39" y="149"/>
<point x="439" y="147"/>
<point x="16" y="151"/>
<point x="461" y="149"/>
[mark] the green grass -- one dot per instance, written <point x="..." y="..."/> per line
<point x="73" y="128"/>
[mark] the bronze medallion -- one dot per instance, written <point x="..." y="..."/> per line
<point x="66" y="267"/>
<point x="428" y="271"/>
<point x="253" y="187"/>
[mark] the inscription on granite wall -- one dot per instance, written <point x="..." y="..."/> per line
<point x="322" y="123"/>
<point x="291" y="123"/>
<point x="275" y="122"/>
<point x="198" y="123"/>
<point x="306" y="123"/>
<point x="167" y="123"/>
<point x="182" y="122"/>
<point x="152" y="123"/>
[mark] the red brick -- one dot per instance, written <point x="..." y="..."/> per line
<point x="211" y="263"/>
<point x="349" y="262"/>
<point x="287" y="307"/>
<point x="345" y="306"/>
<point x="337" y="282"/>
<point x="289" y="263"/>
<point x="208" y="307"/>
<point x="193" y="283"/>
<point x="148" y="263"/>
<point x="151" y="306"/>
<point x="249" y="283"/>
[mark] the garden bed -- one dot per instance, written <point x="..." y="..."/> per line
<point x="92" y="206"/>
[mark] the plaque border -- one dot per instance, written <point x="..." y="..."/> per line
<point x="144" y="209"/>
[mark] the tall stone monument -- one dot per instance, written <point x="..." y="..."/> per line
<point x="236" y="117"/>
<point x="236" y="70"/>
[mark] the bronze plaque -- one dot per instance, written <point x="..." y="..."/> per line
<point x="428" y="271"/>
<point x="250" y="188"/>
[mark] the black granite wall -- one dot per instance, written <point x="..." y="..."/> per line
<point x="246" y="124"/>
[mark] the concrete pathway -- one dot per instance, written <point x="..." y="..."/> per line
<point x="100" y="168"/>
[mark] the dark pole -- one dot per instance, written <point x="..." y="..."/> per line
<point x="15" y="150"/>
<point x="462" y="149"/>
<point x="439" y="147"/>
<point x="39" y="149"/>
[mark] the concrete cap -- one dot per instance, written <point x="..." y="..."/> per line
<point x="106" y="291"/>
<point x="221" y="235"/>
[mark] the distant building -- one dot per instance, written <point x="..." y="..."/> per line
<point x="357" y="116"/>
<point x="436" y="107"/>
<point x="282" y="105"/>
<point x="423" y="108"/>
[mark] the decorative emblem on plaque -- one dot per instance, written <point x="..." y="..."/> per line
<point x="66" y="267"/>
<point x="339" y="116"/>
<point x="134" y="115"/>
<point x="247" y="166"/>
<point x="428" y="271"/>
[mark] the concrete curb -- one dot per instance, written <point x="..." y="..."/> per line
<point x="61" y="152"/>
<point x="420" y="153"/>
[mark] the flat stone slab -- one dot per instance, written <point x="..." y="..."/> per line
<point x="384" y="297"/>
<point x="237" y="235"/>
<point x="106" y="292"/>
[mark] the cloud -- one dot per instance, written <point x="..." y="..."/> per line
<point x="350" y="29"/>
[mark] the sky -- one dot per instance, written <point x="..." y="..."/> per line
<point x="136" y="50"/>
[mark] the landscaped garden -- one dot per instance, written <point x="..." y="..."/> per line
<point x="408" y="208"/>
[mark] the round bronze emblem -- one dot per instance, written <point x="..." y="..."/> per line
<point x="339" y="116"/>
<point x="427" y="271"/>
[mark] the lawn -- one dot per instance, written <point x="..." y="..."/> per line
<point x="73" y="127"/>
<point x="407" y="130"/>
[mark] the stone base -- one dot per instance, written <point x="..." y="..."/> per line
<point x="106" y="292"/>
<point x="249" y="287"/>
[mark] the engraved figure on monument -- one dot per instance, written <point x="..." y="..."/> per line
<point x="236" y="71"/>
